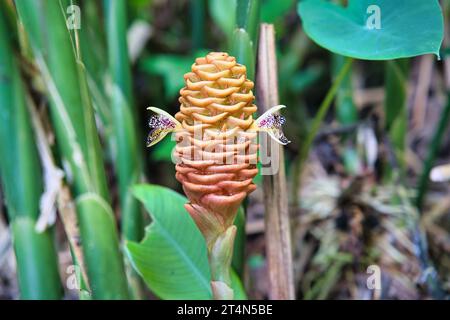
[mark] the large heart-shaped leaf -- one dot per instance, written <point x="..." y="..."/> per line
<point x="375" y="29"/>
<point x="172" y="258"/>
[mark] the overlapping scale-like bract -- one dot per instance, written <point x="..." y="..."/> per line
<point x="216" y="150"/>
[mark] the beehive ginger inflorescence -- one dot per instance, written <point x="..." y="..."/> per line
<point x="216" y="134"/>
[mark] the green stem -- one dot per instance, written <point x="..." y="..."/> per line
<point x="128" y="162"/>
<point x="432" y="153"/>
<point x="128" y="158"/>
<point x="36" y="260"/>
<point x="346" y="111"/>
<point x="247" y="17"/>
<point x="198" y="23"/>
<point x="318" y="119"/>
<point x="93" y="52"/>
<point x="244" y="38"/>
<point x="220" y="253"/>
<point x="346" y="114"/>
<point x="396" y="110"/>
<point x="323" y="109"/>
<point x="22" y="181"/>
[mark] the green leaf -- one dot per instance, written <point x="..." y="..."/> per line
<point x="305" y="78"/>
<point x="172" y="258"/>
<point x="171" y="68"/>
<point x="163" y="150"/>
<point x="238" y="261"/>
<point x="407" y="27"/>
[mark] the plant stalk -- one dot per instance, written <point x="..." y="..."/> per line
<point x="220" y="254"/>
<point x="346" y="111"/>
<point x="395" y="108"/>
<point x="278" y="238"/>
<point x="128" y="162"/>
<point x="317" y="121"/>
<point x="245" y="36"/>
<point x="197" y="8"/>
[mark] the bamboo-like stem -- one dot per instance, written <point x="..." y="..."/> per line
<point x="247" y="18"/>
<point x="278" y="239"/>
<point x="128" y="158"/>
<point x="128" y="162"/>
<point x="63" y="197"/>
<point x="197" y="8"/>
<point x="78" y="142"/>
<point x="243" y="47"/>
<point x="93" y="53"/>
<point x="245" y="36"/>
<point x="22" y="182"/>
